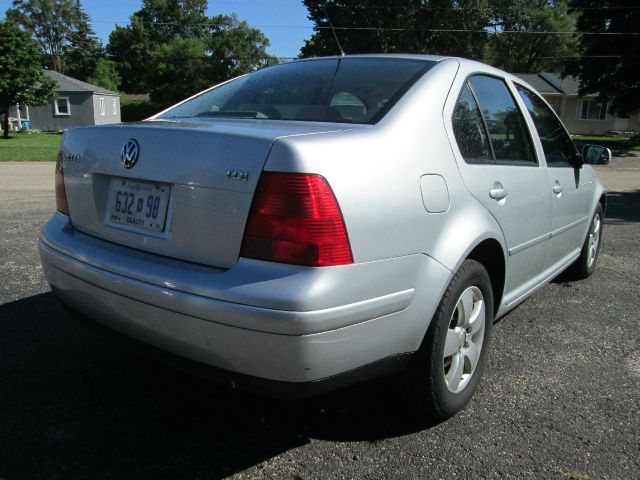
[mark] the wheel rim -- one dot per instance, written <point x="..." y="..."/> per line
<point x="594" y="240"/>
<point x="465" y="335"/>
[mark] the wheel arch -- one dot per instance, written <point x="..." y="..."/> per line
<point x="490" y="254"/>
<point x="603" y="202"/>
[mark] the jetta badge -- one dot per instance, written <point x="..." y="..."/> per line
<point x="235" y="174"/>
<point x="130" y="153"/>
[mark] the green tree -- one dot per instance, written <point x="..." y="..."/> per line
<point x="156" y="23"/>
<point x="171" y="49"/>
<point x="84" y="50"/>
<point x="62" y="29"/>
<point x="130" y="47"/>
<point x="180" y="69"/>
<point x="174" y="18"/>
<point x="408" y="26"/>
<point x="235" y="48"/>
<point x="21" y="77"/>
<point x="106" y="75"/>
<point x="531" y="52"/>
<point x="185" y="65"/>
<point x="609" y="63"/>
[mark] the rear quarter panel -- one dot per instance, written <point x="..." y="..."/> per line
<point x="375" y="174"/>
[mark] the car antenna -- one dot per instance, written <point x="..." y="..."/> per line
<point x="324" y="7"/>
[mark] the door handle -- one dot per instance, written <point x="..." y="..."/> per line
<point x="498" y="192"/>
<point x="557" y="188"/>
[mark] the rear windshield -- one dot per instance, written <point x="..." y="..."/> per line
<point x="353" y="90"/>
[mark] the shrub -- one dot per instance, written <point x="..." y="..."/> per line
<point x="136" y="110"/>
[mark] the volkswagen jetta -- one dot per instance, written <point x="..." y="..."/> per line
<point x="325" y="221"/>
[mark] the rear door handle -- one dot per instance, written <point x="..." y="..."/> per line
<point x="557" y="188"/>
<point x="498" y="192"/>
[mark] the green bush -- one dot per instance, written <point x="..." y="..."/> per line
<point x="136" y="110"/>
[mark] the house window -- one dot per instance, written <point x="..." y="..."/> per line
<point x="102" y="111"/>
<point x="62" y="106"/>
<point x="115" y="106"/>
<point x="593" y="110"/>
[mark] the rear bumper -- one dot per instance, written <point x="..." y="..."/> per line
<point x="274" y="322"/>
<point x="248" y="383"/>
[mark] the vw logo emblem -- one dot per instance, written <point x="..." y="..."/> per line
<point x="130" y="153"/>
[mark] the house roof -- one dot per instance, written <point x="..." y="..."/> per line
<point x="68" y="84"/>
<point x="539" y="83"/>
<point x="569" y="85"/>
<point x="552" y="83"/>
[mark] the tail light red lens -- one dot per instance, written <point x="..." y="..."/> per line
<point x="61" y="194"/>
<point x="295" y="218"/>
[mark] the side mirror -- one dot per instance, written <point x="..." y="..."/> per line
<point x="596" y="155"/>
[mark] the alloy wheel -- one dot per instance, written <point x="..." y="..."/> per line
<point x="463" y="343"/>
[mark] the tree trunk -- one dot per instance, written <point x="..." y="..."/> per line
<point x="5" y="125"/>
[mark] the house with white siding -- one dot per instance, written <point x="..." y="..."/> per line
<point x="582" y="115"/>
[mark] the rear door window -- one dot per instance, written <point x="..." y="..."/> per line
<point x="508" y="132"/>
<point x="556" y="143"/>
<point x="469" y="129"/>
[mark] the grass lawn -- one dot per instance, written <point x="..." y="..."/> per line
<point x="613" y="142"/>
<point x="596" y="138"/>
<point x="35" y="147"/>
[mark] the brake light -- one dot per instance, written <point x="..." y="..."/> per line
<point x="61" y="194"/>
<point x="295" y="218"/>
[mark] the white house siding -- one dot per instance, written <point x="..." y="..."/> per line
<point x="562" y="95"/>
<point x="570" y="116"/>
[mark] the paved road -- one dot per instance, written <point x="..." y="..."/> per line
<point x="560" y="398"/>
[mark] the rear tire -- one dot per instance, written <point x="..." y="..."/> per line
<point x="447" y="369"/>
<point x="585" y="265"/>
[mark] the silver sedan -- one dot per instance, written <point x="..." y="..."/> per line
<point x="326" y="221"/>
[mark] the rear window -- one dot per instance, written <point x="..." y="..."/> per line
<point x="352" y="90"/>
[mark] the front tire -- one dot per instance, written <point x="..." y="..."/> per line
<point x="449" y="364"/>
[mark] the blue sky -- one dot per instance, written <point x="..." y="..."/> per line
<point x="284" y="22"/>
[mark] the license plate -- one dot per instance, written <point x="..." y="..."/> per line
<point x="138" y="205"/>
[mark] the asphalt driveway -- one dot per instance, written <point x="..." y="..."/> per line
<point x="560" y="397"/>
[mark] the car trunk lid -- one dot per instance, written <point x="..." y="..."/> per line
<point x="187" y="191"/>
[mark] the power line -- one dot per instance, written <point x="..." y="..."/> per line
<point x="389" y="7"/>
<point x="391" y="29"/>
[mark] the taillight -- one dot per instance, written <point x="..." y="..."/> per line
<point x="61" y="194"/>
<point x="295" y="218"/>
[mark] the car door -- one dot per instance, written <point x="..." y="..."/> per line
<point x="499" y="166"/>
<point x="569" y="189"/>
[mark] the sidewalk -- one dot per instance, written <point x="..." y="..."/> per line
<point x="27" y="176"/>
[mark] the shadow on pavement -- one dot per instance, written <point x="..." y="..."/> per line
<point x="623" y="207"/>
<point x="75" y="404"/>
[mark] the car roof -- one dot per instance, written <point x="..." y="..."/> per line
<point x="406" y="56"/>
<point x="427" y="58"/>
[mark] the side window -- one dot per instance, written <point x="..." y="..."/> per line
<point x="556" y="143"/>
<point x="61" y="106"/>
<point x="508" y="131"/>
<point x="469" y="129"/>
<point x="593" y="110"/>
